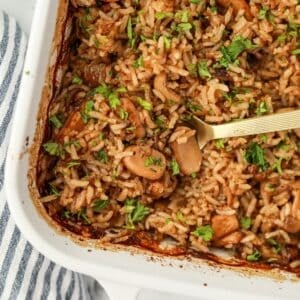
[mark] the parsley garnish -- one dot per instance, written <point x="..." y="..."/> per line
<point x="205" y="232"/>
<point x="99" y="205"/>
<point x="56" y="121"/>
<point x="276" y="246"/>
<point x="163" y="15"/>
<point x="111" y="96"/>
<point x="296" y="51"/>
<point x="139" y="62"/>
<point x="73" y="164"/>
<point x="192" y="106"/>
<point x="196" y="1"/>
<point x="144" y="104"/>
<point x="123" y="114"/>
<point x="246" y="222"/>
<point x="102" y="156"/>
<point x="277" y="165"/>
<point x="232" y="52"/>
<point x="220" y="143"/>
<point x="192" y="68"/>
<point x="167" y="42"/>
<point x="54" y="149"/>
<point x="89" y="106"/>
<point x="255" y="256"/>
<point x="262" y="108"/>
<point x="203" y="70"/>
<point x="264" y="13"/>
<point x="263" y="138"/>
<point x="174" y="167"/>
<point x="53" y="190"/>
<point x="136" y="212"/>
<point x="76" y="80"/>
<point x="255" y="155"/>
<point x="153" y="161"/>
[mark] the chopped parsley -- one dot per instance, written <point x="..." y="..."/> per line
<point x="73" y="164"/>
<point x="296" y="51"/>
<point x="262" y="108"/>
<point x="113" y="100"/>
<point x="53" y="190"/>
<point x="56" y="122"/>
<point x="153" y="161"/>
<point x="123" y="114"/>
<point x="174" y="167"/>
<point x="220" y="143"/>
<point x="54" y="149"/>
<point x="79" y="216"/>
<point x="203" y="70"/>
<point x="130" y="33"/>
<point x="162" y="15"/>
<point x="192" y="106"/>
<point x="160" y="121"/>
<point x="264" y="13"/>
<point x="192" y="68"/>
<point x="89" y="106"/>
<point x="255" y="154"/>
<point x="144" y="104"/>
<point x="275" y="245"/>
<point x="139" y="62"/>
<point x="214" y="9"/>
<point x="99" y="205"/>
<point x="167" y="42"/>
<point x="282" y="145"/>
<point x="135" y="212"/>
<point x="263" y="138"/>
<point x="109" y="94"/>
<point x="102" y="156"/>
<point x="232" y="52"/>
<point x="246" y="222"/>
<point x="205" y="232"/>
<point x="277" y="165"/>
<point x="182" y="27"/>
<point x="76" y="80"/>
<point x="179" y="216"/>
<point x="255" y="256"/>
<point x="196" y="1"/>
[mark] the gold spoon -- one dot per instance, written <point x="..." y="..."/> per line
<point x="251" y="126"/>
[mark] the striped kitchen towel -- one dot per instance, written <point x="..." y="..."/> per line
<point x="24" y="273"/>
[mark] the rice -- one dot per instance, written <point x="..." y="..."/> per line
<point x="119" y="160"/>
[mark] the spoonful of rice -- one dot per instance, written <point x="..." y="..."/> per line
<point x="251" y="126"/>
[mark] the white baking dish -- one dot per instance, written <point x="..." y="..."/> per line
<point x="121" y="273"/>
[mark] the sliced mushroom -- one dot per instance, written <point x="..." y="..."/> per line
<point x="296" y="204"/>
<point x="145" y="162"/>
<point x="224" y="225"/>
<point x="134" y="117"/>
<point x="291" y="224"/>
<point x="188" y="155"/>
<point x="231" y="239"/>
<point x="238" y="5"/>
<point x="160" y="84"/>
<point x="73" y="124"/>
<point x="94" y="74"/>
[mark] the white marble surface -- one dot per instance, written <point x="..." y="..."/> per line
<point x="22" y="10"/>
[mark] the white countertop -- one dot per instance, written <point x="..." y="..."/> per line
<point x="22" y="10"/>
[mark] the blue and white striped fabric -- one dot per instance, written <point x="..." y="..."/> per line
<point x="24" y="273"/>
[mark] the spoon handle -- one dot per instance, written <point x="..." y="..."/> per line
<point x="270" y="123"/>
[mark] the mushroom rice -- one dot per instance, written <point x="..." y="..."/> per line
<point x="118" y="161"/>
